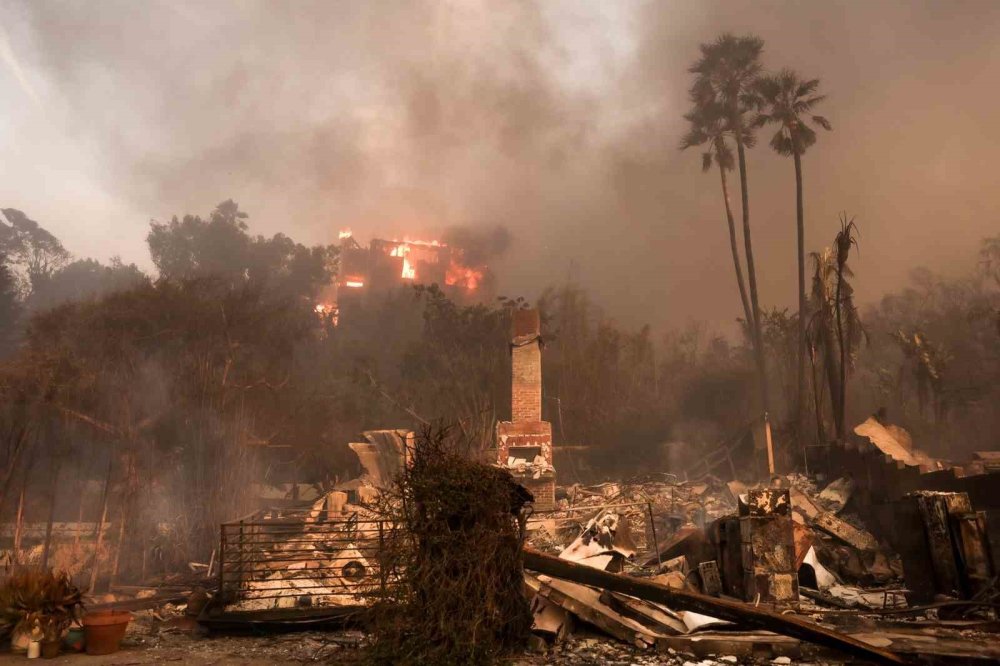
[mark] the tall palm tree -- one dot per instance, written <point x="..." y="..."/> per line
<point x="787" y="101"/>
<point x="708" y="128"/>
<point x="724" y="76"/>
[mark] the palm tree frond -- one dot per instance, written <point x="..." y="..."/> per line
<point x="783" y="100"/>
<point x="804" y="137"/>
<point x="806" y="88"/>
<point x="782" y="143"/>
<point x="802" y="105"/>
<point x="724" y="156"/>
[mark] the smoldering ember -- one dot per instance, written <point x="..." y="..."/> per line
<point x="486" y="359"/>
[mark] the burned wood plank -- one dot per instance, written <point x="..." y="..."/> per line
<point x="738" y="644"/>
<point x="585" y="603"/>
<point x="975" y="563"/>
<point x="844" y="531"/>
<point x="723" y="609"/>
<point x="933" y="509"/>
<point x="550" y="619"/>
<point x="648" y="614"/>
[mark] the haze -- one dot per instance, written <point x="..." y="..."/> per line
<point x="559" y="120"/>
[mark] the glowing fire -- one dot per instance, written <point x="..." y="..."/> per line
<point x="462" y="276"/>
<point x="328" y="312"/>
<point x="401" y="250"/>
<point x="433" y="260"/>
<point x="344" y="233"/>
<point x="430" y="243"/>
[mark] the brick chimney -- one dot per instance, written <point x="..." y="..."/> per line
<point x="526" y="438"/>
<point x="526" y="366"/>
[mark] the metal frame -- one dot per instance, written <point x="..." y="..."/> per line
<point x="296" y="558"/>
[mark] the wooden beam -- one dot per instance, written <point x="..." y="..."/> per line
<point x="724" y="609"/>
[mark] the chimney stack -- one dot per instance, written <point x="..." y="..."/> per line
<point x="526" y="366"/>
<point x="524" y="444"/>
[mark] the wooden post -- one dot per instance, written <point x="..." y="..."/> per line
<point x="145" y="549"/>
<point x="222" y="562"/>
<point x="100" y="525"/>
<point x="121" y="542"/>
<point x="79" y="520"/>
<point x="770" y="445"/>
<point x="652" y="528"/>
<point x="19" y="525"/>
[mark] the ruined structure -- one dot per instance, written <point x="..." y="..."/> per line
<point x="524" y="444"/>
<point x="384" y="265"/>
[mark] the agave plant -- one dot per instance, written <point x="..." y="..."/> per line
<point x="40" y="601"/>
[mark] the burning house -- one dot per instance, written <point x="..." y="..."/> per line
<point x="384" y="265"/>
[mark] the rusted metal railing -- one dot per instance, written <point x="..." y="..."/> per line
<point x="300" y="558"/>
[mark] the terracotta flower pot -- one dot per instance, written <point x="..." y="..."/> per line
<point x="104" y="630"/>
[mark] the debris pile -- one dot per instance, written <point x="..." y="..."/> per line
<point x="793" y="548"/>
<point x="697" y="569"/>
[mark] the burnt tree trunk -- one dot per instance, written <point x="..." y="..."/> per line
<point x="46" y="549"/>
<point x="99" y="530"/>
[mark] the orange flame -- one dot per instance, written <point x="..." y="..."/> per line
<point x="401" y="250"/>
<point x="463" y="276"/>
<point x="430" y="243"/>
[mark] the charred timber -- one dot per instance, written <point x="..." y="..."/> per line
<point x="723" y="609"/>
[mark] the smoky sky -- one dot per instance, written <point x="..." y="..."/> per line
<point x="557" y="120"/>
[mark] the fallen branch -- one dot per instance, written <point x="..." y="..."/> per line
<point x="723" y="609"/>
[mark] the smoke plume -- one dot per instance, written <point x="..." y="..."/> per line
<point x="554" y="120"/>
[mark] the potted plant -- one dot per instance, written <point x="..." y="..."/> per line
<point x="40" y="604"/>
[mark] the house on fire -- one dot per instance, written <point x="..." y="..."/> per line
<point x="385" y="265"/>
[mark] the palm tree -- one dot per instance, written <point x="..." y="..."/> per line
<point x="708" y="129"/>
<point x="835" y="328"/>
<point x="786" y="100"/>
<point x="724" y="79"/>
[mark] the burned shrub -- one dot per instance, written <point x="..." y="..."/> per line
<point x="453" y="561"/>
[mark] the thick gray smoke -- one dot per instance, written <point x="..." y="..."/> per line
<point x="556" y="120"/>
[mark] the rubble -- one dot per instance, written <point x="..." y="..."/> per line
<point x="744" y="614"/>
<point x="604" y="543"/>
<point x="658" y="569"/>
<point x="722" y="540"/>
